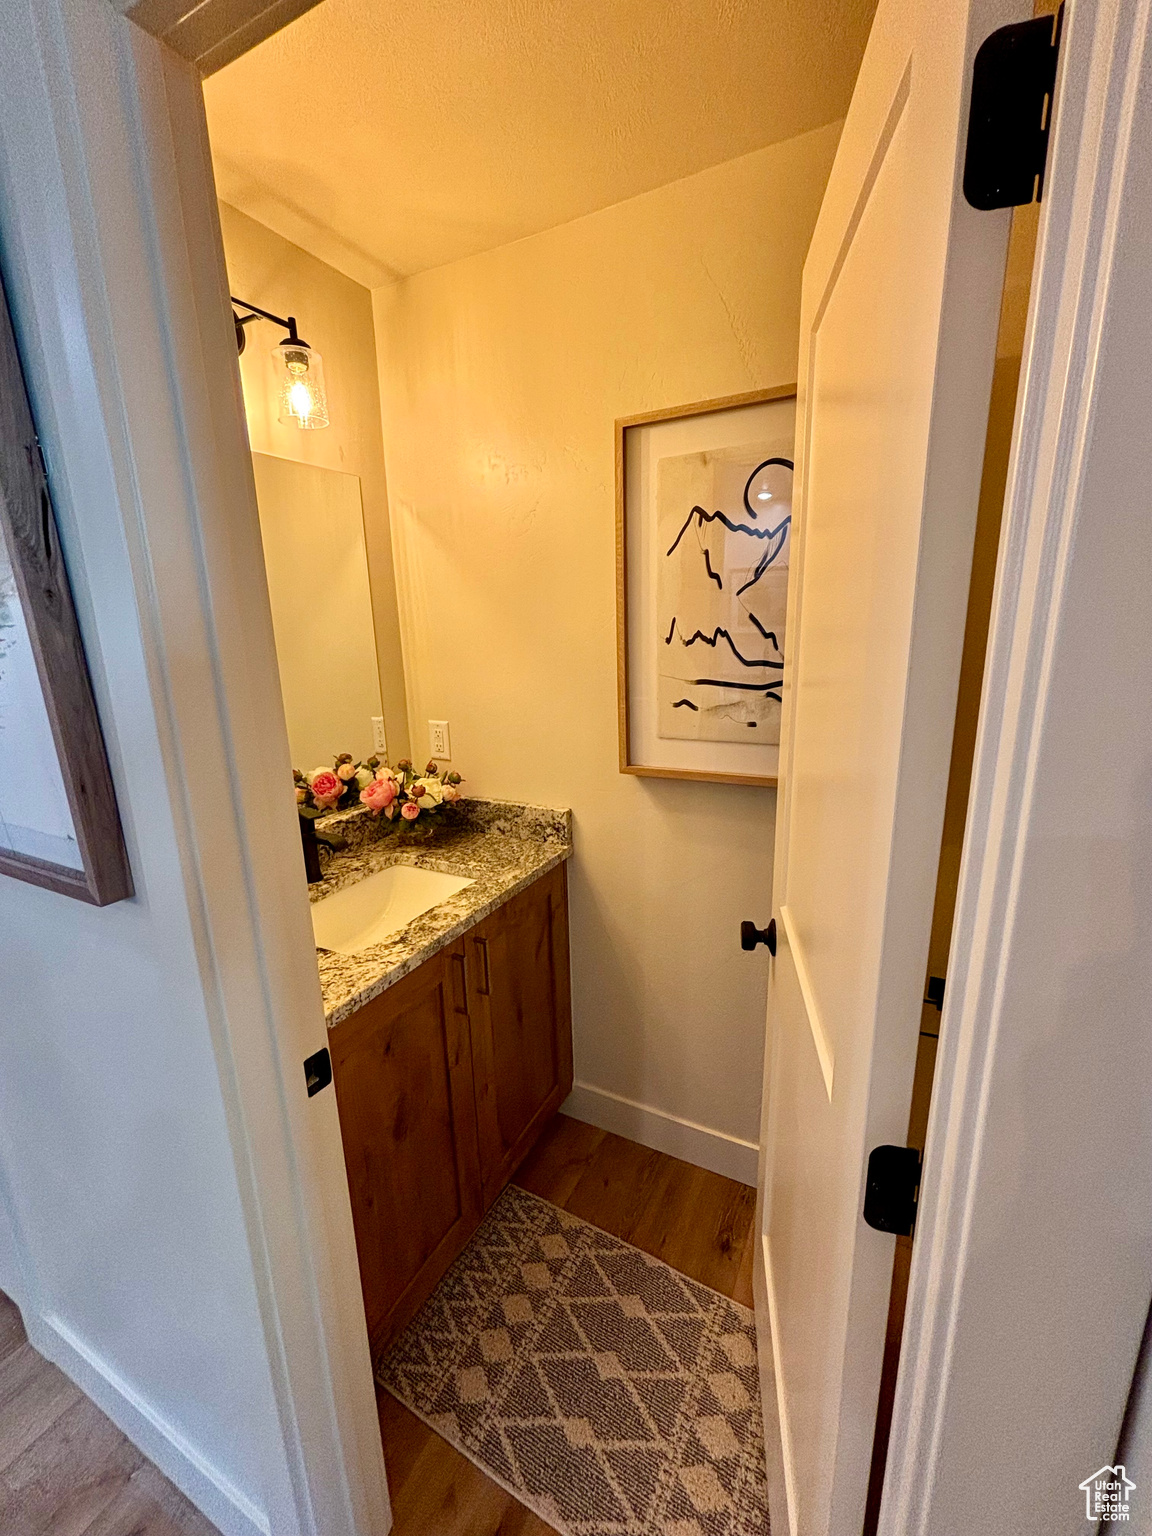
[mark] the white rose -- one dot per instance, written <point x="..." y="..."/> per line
<point x="363" y="777"/>
<point x="432" y="796"/>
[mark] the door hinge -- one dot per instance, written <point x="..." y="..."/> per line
<point x="1013" y="82"/>
<point x="892" y="1189"/>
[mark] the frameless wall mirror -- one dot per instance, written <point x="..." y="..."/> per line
<point x="312" y="525"/>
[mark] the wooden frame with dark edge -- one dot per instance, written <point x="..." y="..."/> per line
<point x="623" y="424"/>
<point x="28" y="524"/>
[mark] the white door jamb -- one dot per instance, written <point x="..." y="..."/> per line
<point x="1033" y="1259"/>
<point x="114" y="239"/>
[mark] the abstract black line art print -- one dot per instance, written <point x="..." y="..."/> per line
<point x="723" y="522"/>
<point x="703" y="530"/>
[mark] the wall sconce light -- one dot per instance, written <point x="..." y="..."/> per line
<point x="299" y="369"/>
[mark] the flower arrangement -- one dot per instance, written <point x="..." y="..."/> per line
<point x="331" y="789"/>
<point x="399" y="794"/>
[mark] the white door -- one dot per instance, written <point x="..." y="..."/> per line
<point x="899" y="314"/>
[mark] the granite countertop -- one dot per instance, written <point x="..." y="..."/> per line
<point x="501" y="846"/>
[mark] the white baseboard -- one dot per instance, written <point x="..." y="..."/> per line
<point x="655" y="1128"/>
<point x="213" y="1494"/>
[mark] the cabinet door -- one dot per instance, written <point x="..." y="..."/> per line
<point x="521" y="1023"/>
<point x="403" y="1072"/>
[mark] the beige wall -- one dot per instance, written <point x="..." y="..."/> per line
<point x="335" y="316"/>
<point x="501" y="376"/>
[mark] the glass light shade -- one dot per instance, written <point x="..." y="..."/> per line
<point x="300" y="385"/>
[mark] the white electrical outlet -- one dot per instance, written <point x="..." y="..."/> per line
<point x="438" y="736"/>
<point x="379" y="740"/>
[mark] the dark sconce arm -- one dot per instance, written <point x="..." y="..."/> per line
<point x="288" y="322"/>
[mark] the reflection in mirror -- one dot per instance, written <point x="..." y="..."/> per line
<point x="312" y="525"/>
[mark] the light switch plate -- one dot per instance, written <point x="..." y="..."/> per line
<point x="440" y="740"/>
<point x="379" y="740"/>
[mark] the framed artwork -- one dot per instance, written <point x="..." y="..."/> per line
<point x="59" y="825"/>
<point x="703" y="524"/>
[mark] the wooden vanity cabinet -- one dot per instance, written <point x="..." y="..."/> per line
<point x="521" y="1017"/>
<point x="443" y="1083"/>
<point x="402" y="1067"/>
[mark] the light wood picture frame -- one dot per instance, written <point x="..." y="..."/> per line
<point x="733" y="423"/>
<point x="59" y="822"/>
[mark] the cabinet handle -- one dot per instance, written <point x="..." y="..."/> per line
<point x="486" y="989"/>
<point x="462" y="1006"/>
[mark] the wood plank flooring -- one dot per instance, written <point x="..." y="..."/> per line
<point x="65" y="1469"/>
<point x="696" y="1221"/>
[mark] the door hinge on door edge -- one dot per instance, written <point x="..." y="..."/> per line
<point x="892" y="1189"/>
<point x="1013" y="84"/>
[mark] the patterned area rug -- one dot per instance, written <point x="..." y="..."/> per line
<point x="612" y="1395"/>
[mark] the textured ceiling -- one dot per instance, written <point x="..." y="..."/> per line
<point x="389" y="137"/>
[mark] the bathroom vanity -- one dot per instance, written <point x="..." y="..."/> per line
<point x="450" y="1038"/>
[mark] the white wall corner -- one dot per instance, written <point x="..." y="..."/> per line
<point x="210" y="1489"/>
<point x="699" y="1144"/>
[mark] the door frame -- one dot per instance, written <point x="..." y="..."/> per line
<point x="1082" y="290"/>
<point x="120" y="298"/>
<point x="1016" y="1415"/>
<point x="911" y="100"/>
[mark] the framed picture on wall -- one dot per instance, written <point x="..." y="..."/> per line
<point x="59" y="825"/>
<point x="703" y="520"/>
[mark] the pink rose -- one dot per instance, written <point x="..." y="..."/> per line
<point x="450" y="794"/>
<point x="410" y="810"/>
<point x="346" y="771"/>
<point x="326" y="789"/>
<point x="379" y="795"/>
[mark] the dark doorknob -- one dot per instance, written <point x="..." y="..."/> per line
<point x="750" y="936"/>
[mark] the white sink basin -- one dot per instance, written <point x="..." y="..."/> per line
<point x="373" y="909"/>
